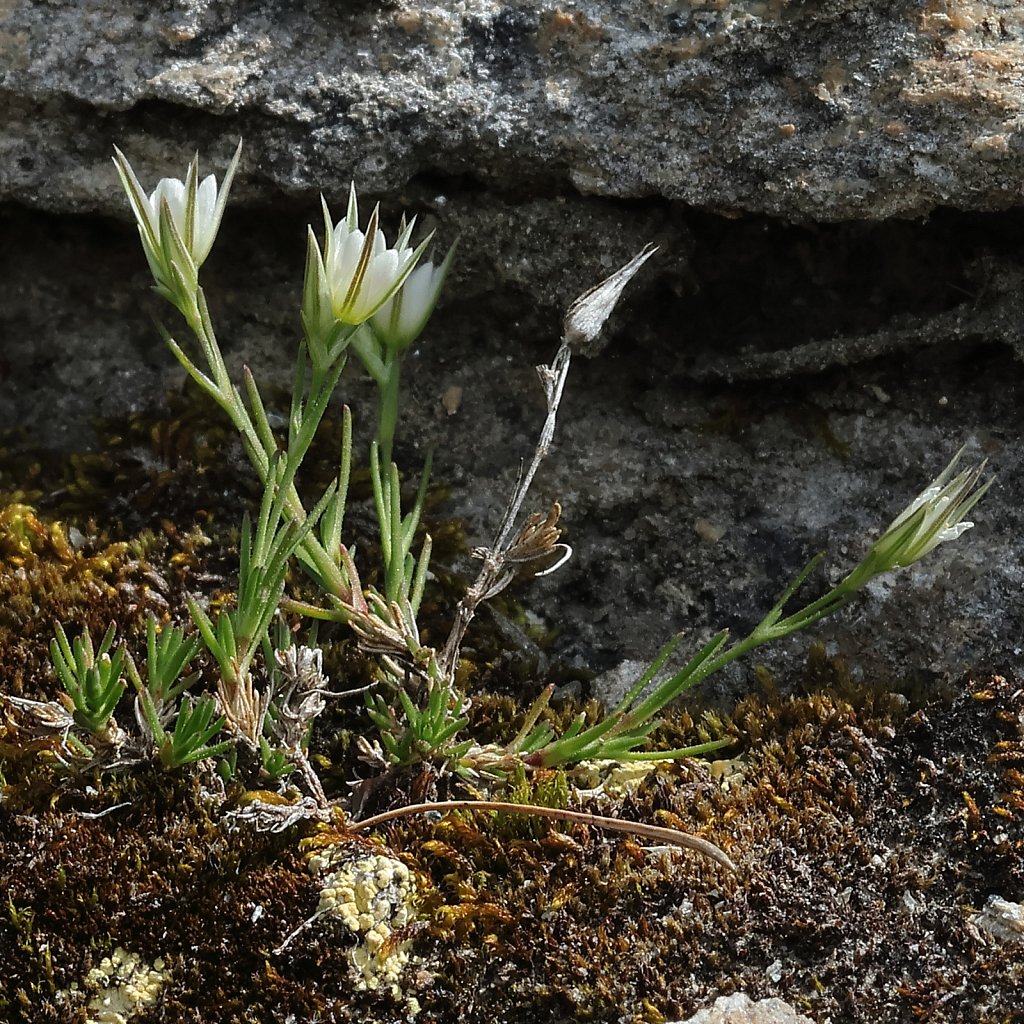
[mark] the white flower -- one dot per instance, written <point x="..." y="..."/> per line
<point x="935" y="516"/>
<point x="938" y="513"/>
<point x="177" y="221"/>
<point x="198" y="230"/>
<point x="360" y="271"/>
<point x="399" y="322"/>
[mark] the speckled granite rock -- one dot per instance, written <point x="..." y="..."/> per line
<point x="770" y="389"/>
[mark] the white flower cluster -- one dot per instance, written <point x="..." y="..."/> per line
<point x="372" y="896"/>
<point x="125" y="987"/>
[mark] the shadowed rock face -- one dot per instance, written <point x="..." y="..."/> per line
<point x="788" y="373"/>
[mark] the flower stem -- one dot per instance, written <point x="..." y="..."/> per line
<point x="657" y="833"/>
<point x="260" y="449"/>
<point x="387" y="406"/>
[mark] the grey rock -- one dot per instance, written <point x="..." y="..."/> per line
<point x="739" y="1008"/>
<point x="611" y="686"/>
<point x="1001" y="919"/>
<point x="827" y="111"/>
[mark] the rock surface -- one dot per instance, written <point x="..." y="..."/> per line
<point x="1001" y="919"/>
<point x="835" y="110"/>
<point x="792" y="370"/>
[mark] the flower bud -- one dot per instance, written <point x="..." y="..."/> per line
<point x="400" y="321"/>
<point x="177" y="222"/>
<point x="586" y="317"/>
<point x="935" y="516"/>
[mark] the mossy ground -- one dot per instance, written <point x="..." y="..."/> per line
<point x="866" y="826"/>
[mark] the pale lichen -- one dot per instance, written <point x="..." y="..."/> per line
<point x="372" y="896"/>
<point x="124" y="986"/>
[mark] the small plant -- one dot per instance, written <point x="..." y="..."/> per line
<point x="189" y="740"/>
<point x="937" y="515"/>
<point x="425" y="732"/>
<point x="238" y="634"/>
<point x="92" y="679"/>
<point x="365" y="296"/>
<point x="167" y="656"/>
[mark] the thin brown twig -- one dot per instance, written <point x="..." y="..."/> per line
<point x="659" y="833"/>
<point x="584" y="322"/>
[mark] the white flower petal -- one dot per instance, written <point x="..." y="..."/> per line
<point x="206" y="219"/>
<point x="380" y="277"/>
<point x="952" y="532"/>
<point x="359" y="291"/>
<point x="401" y="319"/>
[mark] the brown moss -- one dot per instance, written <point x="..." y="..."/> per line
<point x="857" y="852"/>
<point x="866" y="823"/>
<point x="854" y="866"/>
<point x="43" y="577"/>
